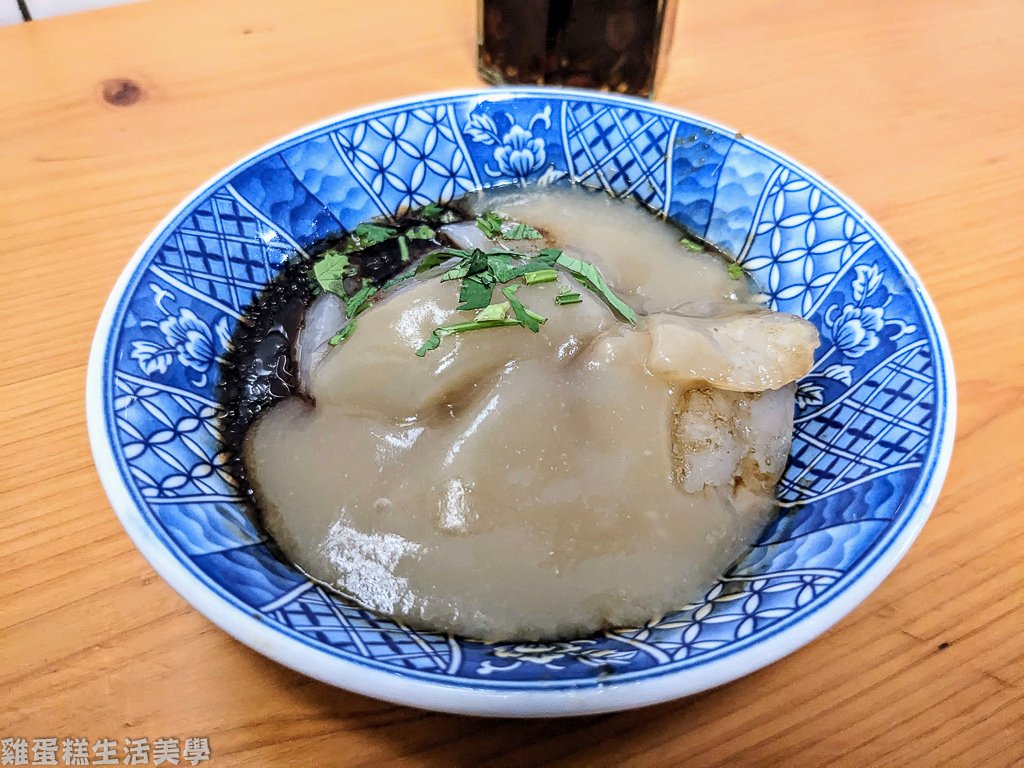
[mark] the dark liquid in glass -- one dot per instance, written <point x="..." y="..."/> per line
<point x="611" y="45"/>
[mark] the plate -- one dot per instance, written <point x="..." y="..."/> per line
<point x="873" y="431"/>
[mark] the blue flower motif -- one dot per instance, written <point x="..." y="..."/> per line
<point x="808" y="395"/>
<point x="152" y="358"/>
<point x="855" y="330"/>
<point x="539" y="653"/>
<point x="520" y="154"/>
<point x="548" y="654"/>
<point x="187" y="338"/>
<point x="193" y="339"/>
<point x="482" y="129"/>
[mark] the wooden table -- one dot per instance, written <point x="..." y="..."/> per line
<point x="107" y="119"/>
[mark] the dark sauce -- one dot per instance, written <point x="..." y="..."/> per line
<point x="259" y="369"/>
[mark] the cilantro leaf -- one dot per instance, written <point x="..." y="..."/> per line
<point x="502" y="266"/>
<point x="494" y="312"/>
<point x="360" y="300"/>
<point x="343" y="334"/>
<point x="436" y="259"/>
<point x="455" y="273"/>
<point x="521" y="232"/>
<point x="568" y="296"/>
<point x="591" y="278"/>
<point x="490" y="224"/>
<point x="366" y="235"/>
<point x="330" y="272"/>
<point x="526" y="318"/>
<point x="434" y="339"/>
<point x="475" y="292"/>
<point x="735" y="271"/>
<point x="431" y="212"/>
<point x="691" y="245"/>
<point x="547" y="256"/>
<point x="437" y="214"/>
<point x="422" y="232"/>
<point x="540" y="276"/>
<point x="536" y="263"/>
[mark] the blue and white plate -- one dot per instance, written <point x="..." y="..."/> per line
<point x="874" y="422"/>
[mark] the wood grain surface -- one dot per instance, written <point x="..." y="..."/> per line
<point x="107" y="119"/>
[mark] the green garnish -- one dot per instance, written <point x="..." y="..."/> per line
<point x="494" y="312"/>
<point x="502" y="266"/>
<point x="431" y="211"/>
<point x="568" y="296"/>
<point x="540" y="276"/>
<point x="436" y="214"/>
<point x="475" y="292"/>
<point x="360" y="300"/>
<point x="421" y="232"/>
<point x="525" y="317"/>
<point x="343" y="334"/>
<point x="478" y="272"/>
<point x="366" y="235"/>
<point x="437" y="258"/>
<point x="331" y="270"/>
<point x="477" y="281"/>
<point x="735" y="271"/>
<point x="490" y="224"/>
<point x="692" y="245"/>
<point x="591" y="278"/>
<point x="434" y="340"/>
<point x="521" y="232"/>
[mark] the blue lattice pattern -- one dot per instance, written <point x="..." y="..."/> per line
<point x="802" y="243"/>
<point x="866" y="438"/>
<point x="408" y="159"/>
<point x="323" y="618"/>
<point x="879" y="425"/>
<point x="734" y="608"/>
<point x="224" y="252"/>
<point x="623" y="151"/>
<point x="176" y="456"/>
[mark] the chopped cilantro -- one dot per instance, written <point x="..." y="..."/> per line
<point x="502" y="266"/>
<point x="490" y="224"/>
<point x="691" y="245"/>
<point x="422" y="232"/>
<point x="526" y="318"/>
<point x="343" y="334"/>
<point x="434" y="340"/>
<point x="494" y="312"/>
<point x="567" y="296"/>
<point x="591" y="278"/>
<point x="331" y="270"/>
<point x="366" y="235"/>
<point x="360" y="300"/>
<point x="431" y="212"/>
<point x="540" y="276"/>
<point x="475" y="292"/>
<point x="478" y="272"/>
<point x="520" y="232"/>
<point x="437" y="214"/>
<point x="436" y="259"/>
<point x="735" y="271"/>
